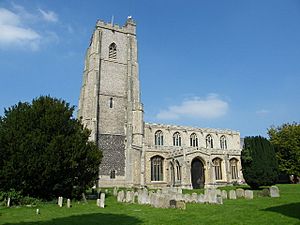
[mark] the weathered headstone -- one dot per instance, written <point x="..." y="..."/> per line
<point x="274" y="192"/>
<point x="187" y="198"/>
<point x="232" y="194"/>
<point x="224" y="194"/>
<point x="180" y="205"/>
<point x="98" y="202"/>
<point x="212" y="196"/>
<point x="37" y="211"/>
<point x="115" y="192"/>
<point x="120" y="196"/>
<point x="143" y="197"/>
<point x="240" y="193"/>
<point x="219" y="200"/>
<point x="219" y="192"/>
<point x="201" y="199"/>
<point x="69" y="203"/>
<point x="129" y="196"/>
<point x="102" y="200"/>
<point x="8" y="202"/>
<point x="194" y="197"/>
<point x="248" y="194"/>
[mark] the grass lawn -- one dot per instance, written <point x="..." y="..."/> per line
<point x="260" y="210"/>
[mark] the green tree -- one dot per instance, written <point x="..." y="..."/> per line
<point x="45" y="152"/>
<point x="259" y="162"/>
<point x="286" y="141"/>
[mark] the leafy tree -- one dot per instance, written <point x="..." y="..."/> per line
<point x="45" y="152"/>
<point x="259" y="162"/>
<point x="286" y="141"/>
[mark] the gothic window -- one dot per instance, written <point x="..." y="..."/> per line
<point x="209" y="141"/>
<point x="233" y="168"/>
<point x="112" y="51"/>
<point x="178" y="171"/>
<point x="176" y="139"/>
<point x="159" y="138"/>
<point x="193" y="140"/>
<point x="223" y="142"/>
<point x="112" y="174"/>
<point x="157" y="168"/>
<point x="110" y="102"/>
<point x="217" y="167"/>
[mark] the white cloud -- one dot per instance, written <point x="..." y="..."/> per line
<point x="210" y="107"/>
<point x="24" y="30"/>
<point x="14" y="33"/>
<point x="49" y="16"/>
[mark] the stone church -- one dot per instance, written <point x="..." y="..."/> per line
<point x="136" y="153"/>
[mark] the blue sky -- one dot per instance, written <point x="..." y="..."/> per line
<point x="219" y="64"/>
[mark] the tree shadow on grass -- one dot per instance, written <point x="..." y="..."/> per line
<point x="87" y="219"/>
<point x="290" y="210"/>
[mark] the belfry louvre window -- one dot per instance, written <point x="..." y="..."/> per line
<point x="176" y="139"/>
<point x="218" y="169"/>
<point x="112" y="51"/>
<point x="157" y="168"/>
<point x="233" y="168"/>
<point x="209" y="141"/>
<point x="223" y="142"/>
<point x="112" y="174"/>
<point x="193" y="140"/>
<point x="159" y="138"/>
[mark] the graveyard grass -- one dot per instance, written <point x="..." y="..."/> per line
<point x="260" y="210"/>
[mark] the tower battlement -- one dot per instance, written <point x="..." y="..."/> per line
<point x="129" y="27"/>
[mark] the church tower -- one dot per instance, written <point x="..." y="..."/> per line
<point x="110" y="104"/>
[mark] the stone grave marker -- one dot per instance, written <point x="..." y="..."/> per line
<point x="120" y="196"/>
<point x="69" y="203"/>
<point x="102" y="200"/>
<point x="232" y="194"/>
<point x="274" y="192"/>
<point x="224" y="194"/>
<point x="240" y="193"/>
<point x="248" y="194"/>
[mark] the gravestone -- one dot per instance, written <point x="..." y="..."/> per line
<point x="187" y="198"/>
<point x="37" y="212"/>
<point x="219" y="192"/>
<point x="102" y="200"/>
<point x="8" y="202"/>
<point x="120" y="196"/>
<point x="180" y="205"/>
<point x="143" y="198"/>
<point x="248" y="194"/>
<point x="98" y="202"/>
<point x="115" y="192"/>
<point x="129" y="196"/>
<point x="84" y="198"/>
<point x="219" y="200"/>
<point x="232" y="194"/>
<point x="178" y="197"/>
<point x="240" y="193"/>
<point x="212" y="196"/>
<point x="224" y="194"/>
<point x="69" y="203"/>
<point x="194" y="197"/>
<point x="60" y="201"/>
<point x="201" y="199"/>
<point x="274" y="192"/>
<point x="172" y="203"/>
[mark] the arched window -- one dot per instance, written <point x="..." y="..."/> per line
<point x="218" y="170"/>
<point x="178" y="171"/>
<point x="112" y="174"/>
<point x="157" y="168"/>
<point x="159" y="138"/>
<point x="233" y="168"/>
<point x="112" y="51"/>
<point x="193" y="140"/>
<point x="209" y="141"/>
<point x="176" y="139"/>
<point x="223" y="142"/>
<point x="110" y="102"/>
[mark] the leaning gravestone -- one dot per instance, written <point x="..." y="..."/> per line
<point x="194" y="197"/>
<point x="102" y="200"/>
<point x="120" y="196"/>
<point x="8" y="202"/>
<point x="232" y="194"/>
<point x="240" y="193"/>
<point x="248" y="194"/>
<point x="274" y="192"/>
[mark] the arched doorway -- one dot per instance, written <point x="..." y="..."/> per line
<point x="197" y="173"/>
